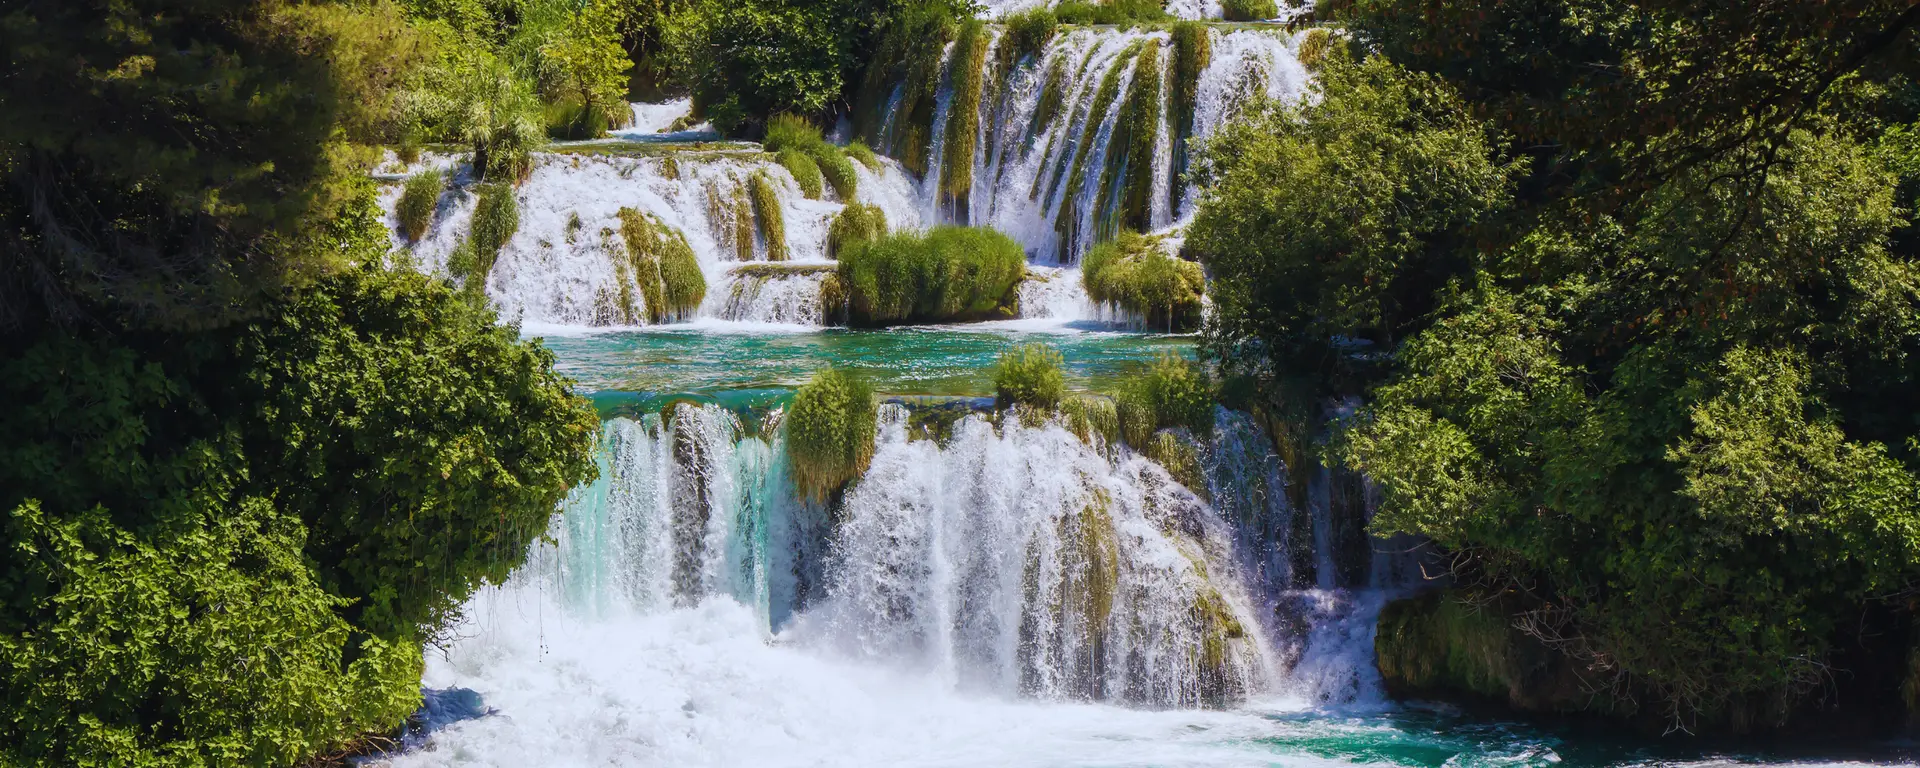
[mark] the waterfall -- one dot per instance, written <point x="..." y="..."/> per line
<point x="1011" y="559"/>
<point x="1047" y="169"/>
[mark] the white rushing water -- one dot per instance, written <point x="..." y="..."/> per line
<point x="559" y="267"/>
<point x="1008" y="596"/>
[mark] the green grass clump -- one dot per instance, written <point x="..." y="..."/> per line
<point x="664" y="265"/>
<point x="1192" y="52"/>
<point x="1249" y="10"/>
<point x="805" y="172"/>
<point x="830" y="431"/>
<point x="945" y="274"/>
<point x="1090" y="415"/>
<point x="417" y="202"/>
<point x="1053" y="92"/>
<point x="496" y="217"/>
<point x="766" y="214"/>
<point x="1030" y="375"/>
<point x="1129" y="160"/>
<point x="1172" y="392"/>
<point x="856" y="223"/>
<point x="1135" y="273"/>
<point x="1109" y="12"/>
<point x="1028" y="33"/>
<point x="793" y="134"/>
<point x="859" y="150"/>
<point x="963" y="117"/>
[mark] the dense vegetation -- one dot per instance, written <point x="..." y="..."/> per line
<point x="1030" y="375"/>
<point x="1631" y="294"/>
<point x="945" y="274"/>
<point x="1135" y="274"/>
<point x="247" y="469"/>
<point x="830" y="432"/>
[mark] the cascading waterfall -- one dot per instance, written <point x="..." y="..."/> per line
<point x="1009" y="559"/>
<point x="1065" y="149"/>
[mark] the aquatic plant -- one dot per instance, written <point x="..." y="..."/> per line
<point x="1109" y="11"/>
<point x="856" y="223"/>
<point x="945" y="274"/>
<point x="1171" y="392"/>
<point x="1089" y="415"/>
<point x="1028" y="33"/>
<point x="963" y="117"/>
<point x="909" y="55"/>
<point x="1249" y="10"/>
<point x="417" y="203"/>
<point x="830" y="432"/>
<point x="1134" y="272"/>
<point x="1030" y="375"/>
<point x="806" y="173"/>
<point x="663" y="265"/>
<point x="766" y="215"/>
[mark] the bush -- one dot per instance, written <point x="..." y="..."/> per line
<point x="417" y="203"/>
<point x="229" y="546"/>
<point x="1030" y="375"/>
<point x="1135" y="274"/>
<point x="766" y="215"/>
<point x="1173" y="392"/>
<point x="1111" y="12"/>
<point x="663" y="265"/>
<point x="805" y="171"/>
<point x="856" y="223"/>
<point x="792" y="133"/>
<point x="830" y="432"/>
<point x="946" y="274"/>
<point x="1249" y="10"/>
<point x="860" y="151"/>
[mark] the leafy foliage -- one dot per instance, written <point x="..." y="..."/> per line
<point x="830" y="432"/>
<point x="1030" y="375"/>
<point x="1135" y="274"/>
<point x="946" y="274"/>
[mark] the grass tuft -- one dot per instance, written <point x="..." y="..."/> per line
<point x="830" y="432"/>
<point x="805" y="171"/>
<point x="766" y="214"/>
<point x="1030" y="375"/>
<point x="1249" y="10"/>
<point x="945" y="274"/>
<point x="1134" y="273"/>
<point x="663" y="265"/>
<point x="856" y="223"/>
<point x="417" y="203"/>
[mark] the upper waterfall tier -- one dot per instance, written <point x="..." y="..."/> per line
<point x="1065" y="147"/>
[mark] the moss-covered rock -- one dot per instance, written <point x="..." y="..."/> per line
<point x="496" y="218"/>
<point x="1126" y="184"/>
<point x="663" y="265"/>
<point x="946" y="274"/>
<point x="1192" y="52"/>
<point x="830" y="432"/>
<point x="856" y="223"/>
<point x="767" y="216"/>
<point x="1135" y="274"/>
<point x="417" y="203"/>
<point x="1177" y="452"/>
<point x="858" y="150"/>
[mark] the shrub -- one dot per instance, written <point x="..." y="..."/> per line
<point x="830" y="432"/>
<point x="1249" y="10"/>
<point x="805" y="171"/>
<point x="1030" y="375"/>
<point x="230" y="545"/>
<point x="1172" y="392"/>
<point x="860" y="151"/>
<point x="417" y="202"/>
<point x="766" y="214"/>
<point x="1135" y="274"/>
<point x="1028" y="32"/>
<point x="856" y="223"/>
<point x="942" y="275"/>
<point x="664" y="266"/>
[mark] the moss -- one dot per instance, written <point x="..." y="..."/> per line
<point x="670" y="168"/>
<point x="741" y="214"/>
<point x="833" y="299"/>
<point x="1249" y="10"/>
<point x="806" y="172"/>
<point x="1179" y="454"/>
<point x="909" y="55"/>
<point x="1214" y="622"/>
<point x="943" y="275"/>
<point x="766" y="214"/>
<point x="1030" y="375"/>
<point x="417" y="203"/>
<point x="661" y="149"/>
<point x="496" y="217"/>
<point x="1314" y="46"/>
<point x="1134" y="273"/>
<point x="1091" y="415"/>
<point x="1068" y="223"/>
<point x="1126" y="183"/>
<point x="830" y="433"/>
<point x="1192" y="52"/>
<point x="774" y="270"/>
<point x="859" y="151"/>
<point x="963" y="117"/>
<point x="1172" y="392"/>
<point x="1053" y="92"/>
<point x="1088" y="590"/>
<point x="856" y="223"/>
<point x="663" y="265"/>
